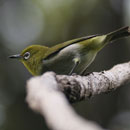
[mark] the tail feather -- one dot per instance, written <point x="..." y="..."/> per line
<point x="120" y="33"/>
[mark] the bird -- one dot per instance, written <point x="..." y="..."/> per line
<point x="70" y="57"/>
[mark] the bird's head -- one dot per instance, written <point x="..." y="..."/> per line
<point x="32" y="57"/>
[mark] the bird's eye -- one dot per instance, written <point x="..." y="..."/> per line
<point x="26" y="55"/>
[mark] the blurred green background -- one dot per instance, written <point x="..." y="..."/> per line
<point x="48" y="22"/>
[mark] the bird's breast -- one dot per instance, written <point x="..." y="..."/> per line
<point x="62" y="62"/>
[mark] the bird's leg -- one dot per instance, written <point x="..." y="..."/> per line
<point x="72" y="70"/>
<point x="76" y="63"/>
<point x="84" y="72"/>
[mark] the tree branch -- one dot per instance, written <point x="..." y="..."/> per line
<point x="44" y="95"/>
<point x="79" y="88"/>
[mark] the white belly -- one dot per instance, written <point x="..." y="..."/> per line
<point x="63" y="62"/>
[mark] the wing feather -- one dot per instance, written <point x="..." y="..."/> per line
<point x="57" y="48"/>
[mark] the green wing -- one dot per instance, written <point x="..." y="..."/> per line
<point x="57" y="48"/>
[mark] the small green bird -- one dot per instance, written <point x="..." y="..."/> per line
<point x="73" y="56"/>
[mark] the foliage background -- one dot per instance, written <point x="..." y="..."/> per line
<point x="48" y="22"/>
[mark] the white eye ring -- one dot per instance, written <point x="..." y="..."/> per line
<point x="26" y="55"/>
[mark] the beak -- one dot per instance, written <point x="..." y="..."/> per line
<point x="17" y="56"/>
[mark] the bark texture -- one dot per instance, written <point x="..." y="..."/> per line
<point x="45" y="94"/>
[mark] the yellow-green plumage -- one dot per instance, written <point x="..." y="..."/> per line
<point x="33" y="63"/>
<point x="73" y="56"/>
